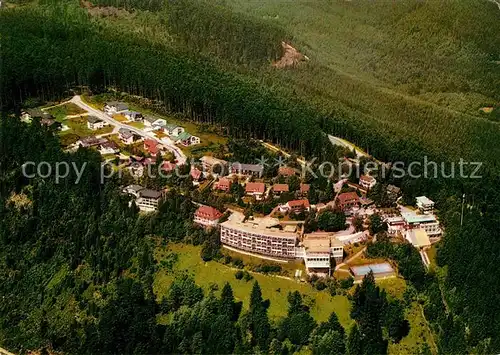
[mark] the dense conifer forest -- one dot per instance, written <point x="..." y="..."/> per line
<point x="60" y="243"/>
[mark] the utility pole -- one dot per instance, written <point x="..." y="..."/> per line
<point x="462" y="216"/>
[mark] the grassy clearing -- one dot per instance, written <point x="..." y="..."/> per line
<point x="273" y="287"/>
<point x="68" y="109"/>
<point x="78" y="127"/>
<point x="137" y="124"/>
<point x="276" y="288"/>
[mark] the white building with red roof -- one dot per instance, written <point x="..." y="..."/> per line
<point x="295" y="206"/>
<point x="367" y="181"/>
<point x="255" y="189"/>
<point x="207" y="216"/>
<point x="224" y="184"/>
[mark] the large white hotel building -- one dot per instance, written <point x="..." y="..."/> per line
<point x="270" y="238"/>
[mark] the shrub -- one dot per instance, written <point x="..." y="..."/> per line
<point x="238" y="274"/>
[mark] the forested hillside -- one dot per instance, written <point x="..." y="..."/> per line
<point x="384" y="76"/>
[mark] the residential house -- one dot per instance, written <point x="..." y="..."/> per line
<point x="195" y="174"/>
<point x="133" y="115"/>
<point x="95" y="123"/>
<point x="213" y="165"/>
<point x="295" y="206"/>
<point x="393" y="192"/>
<point x="247" y="169"/>
<point x="151" y="146"/>
<point x="90" y="141"/>
<point x="207" y="216"/>
<point x="168" y="167"/>
<point x="348" y="200"/>
<point x="113" y="107"/>
<point x="149" y="200"/>
<point x="173" y="130"/>
<point x="367" y="181"/>
<point x="278" y="189"/>
<point x="160" y="123"/>
<point x="425" y="205"/>
<point x="304" y="189"/>
<point x="286" y="171"/>
<point x="127" y="136"/>
<point x="255" y="189"/>
<point x="186" y="139"/>
<point x="29" y="114"/>
<point x="224" y="184"/>
<point x="51" y="123"/>
<point x="148" y="121"/>
<point x="108" y="147"/>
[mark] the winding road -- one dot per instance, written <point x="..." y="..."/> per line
<point x="179" y="155"/>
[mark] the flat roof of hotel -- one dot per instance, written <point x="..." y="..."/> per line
<point x="412" y="217"/>
<point x="257" y="225"/>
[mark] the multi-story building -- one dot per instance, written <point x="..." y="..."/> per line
<point x="149" y="200"/>
<point x="224" y="184"/>
<point x="247" y="169"/>
<point x="207" y="216"/>
<point x="348" y="200"/>
<point x="114" y="107"/>
<point x="367" y="181"/>
<point x="94" y="123"/>
<point x="255" y="189"/>
<point x="295" y="206"/>
<point x="259" y="235"/>
<point x="425" y="205"/>
<point x="395" y="225"/>
<point x="427" y="222"/>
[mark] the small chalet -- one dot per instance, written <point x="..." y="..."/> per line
<point x="367" y="181"/>
<point x="304" y="189"/>
<point x="186" y="139"/>
<point x="113" y="107"/>
<point x="127" y="136"/>
<point x="247" y="169"/>
<point x="173" y="130"/>
<point x="295" y="206"/>
<point x="133" y="115"/>
<point x="90" y="141"/>
<point x="348" y="200"/>
<point x="151" y="146"/>
<point x="51" y="123"/>
<point x="207" y="216"/>
<point x="95" y="123"/>
<point x="286" y="171"/>
<point x="195" y="174"/>
<point x="278" y="189"/>
<point x="224" y="184"/>
<point x="108" y="147"/>
<point x="255" y="189"/>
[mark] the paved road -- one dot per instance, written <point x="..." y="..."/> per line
<point x="179" y="155"/>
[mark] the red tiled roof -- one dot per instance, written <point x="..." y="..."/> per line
<point x="195" y="173"/>
<point x="223" y="184"/>
<point x="348" y="197"/>
<point x="168" y="166"/>
<point x="259" y="187"/>
<point x="298" y="203"/>
<point x="286" y="171"/>
<point x="304" y="188"/>
<point x="151" y="146"/>
<point x="280" y="188"/>
<point x="207" y="212"/>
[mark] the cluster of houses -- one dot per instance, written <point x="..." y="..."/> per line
<point x="46" y="119"/>
<point x="175" y="133"/>
<point x="103" y="145"/>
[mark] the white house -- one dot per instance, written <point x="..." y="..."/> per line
<point x="113" y="107"/>
<point x="186" y="139"/>
<point x="127" y="136"/>
<point x="159" y="123"/>
<point x="425" y="205"/>
<point x="95" y="123"/>
<point x="133" y="115"/>
<point x="173" y="130"/>
<point x="207" y="216"/>
<point x="367" y="181"/>
<point x="109" y="147"/>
